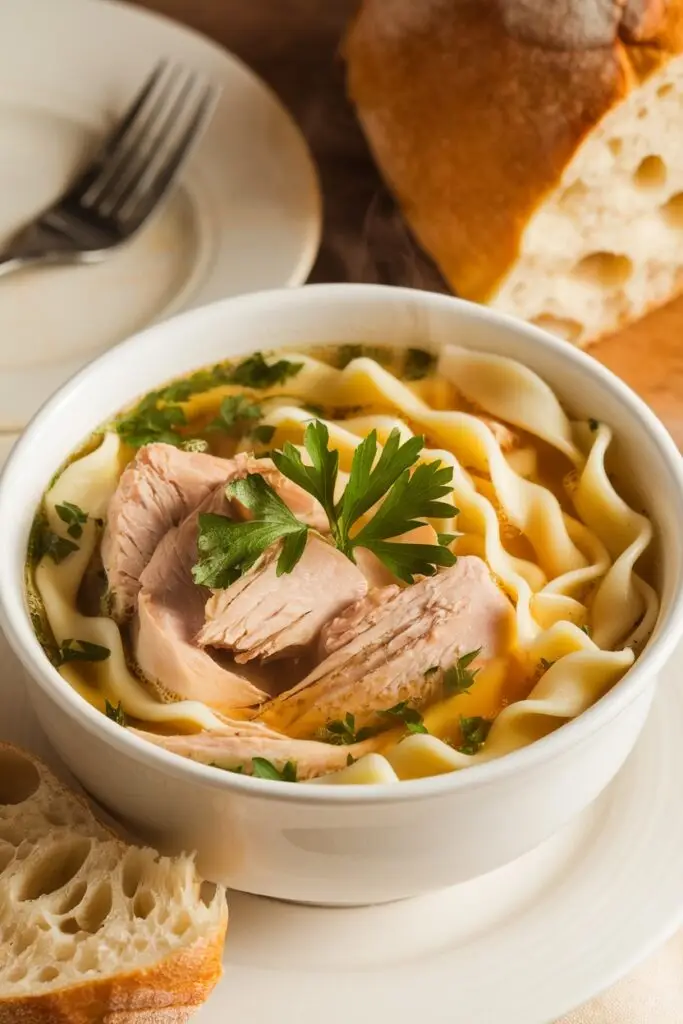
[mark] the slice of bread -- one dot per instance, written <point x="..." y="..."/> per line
<point x="92" y="930"/>
<point x="534" y="148"/>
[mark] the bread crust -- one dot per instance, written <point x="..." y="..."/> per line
<point x="473" y="109"/>
<point x="167" y="992"/>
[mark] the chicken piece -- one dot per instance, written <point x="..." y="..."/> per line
<point x="311" y="757"/>
<point x="263" y="615"/>
<point x="155" y="492"/>
<point x="341" y="630"/>
<point x="158" y="489"/>
<point x="394" y="647"/>
<point x="170" y="611"/>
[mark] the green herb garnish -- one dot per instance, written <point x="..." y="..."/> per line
<point x="115" y="714"/>
<point x="545" y="664"/>
<point x="73" y="516"/>
<point x="411" y="717"/>
<point x="255" y="372"/>
<point x="55" y="547"/>
<point x="82" y="650"/>
<point x="262" y="768"/>
<point x="459" y="677"/>
<point x="350" y="759"/>
<point x="234" y="413"/>
<point x="585" y="629"/>
<point x="154" y="419"/>
<point x="342" y="731"/>
<point x="237" y="770"/>
<point x="262" y="434"/>
<point x="593" y="424"/>
<point x="473" y="733"/>
<point x="228" y="548"/>
<point x="418" y="364"/>
<point x="408" y="497"/>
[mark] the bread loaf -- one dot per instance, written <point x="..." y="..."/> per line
<point x="93" y="931"/>
<point x="534" y="146"/>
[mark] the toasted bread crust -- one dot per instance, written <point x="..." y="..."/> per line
<point x="473" y="108"/>
<point x="167" y="992"/>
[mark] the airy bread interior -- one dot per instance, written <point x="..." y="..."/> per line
<point x="607" y="245"/>
<point x="77" y="904"/>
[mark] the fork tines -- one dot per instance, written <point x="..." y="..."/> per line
<point x="141" y="158"/>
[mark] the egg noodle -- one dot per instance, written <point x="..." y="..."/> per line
<point x="582" y="612"/>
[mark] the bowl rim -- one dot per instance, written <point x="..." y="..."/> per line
<point x="15" y="619"/>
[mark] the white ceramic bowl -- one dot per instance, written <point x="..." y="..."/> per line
<point x="349" y="844"/>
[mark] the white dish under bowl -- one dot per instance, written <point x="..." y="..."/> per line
<point x="356" y="844"/>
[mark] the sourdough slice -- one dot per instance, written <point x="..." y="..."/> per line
<point x="535" y="148"/>
<point x="93" y="931"/>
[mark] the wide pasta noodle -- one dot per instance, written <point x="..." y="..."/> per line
<point x="582" y="570"/>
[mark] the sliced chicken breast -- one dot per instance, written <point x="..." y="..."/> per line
<point x="345" y="627"/>
<point x="396" y="649"/>
<point x="263" y="615"/>
<point x="170" y="611"/>
<point x="311" y="757"/>
<point x="157" y="490"/>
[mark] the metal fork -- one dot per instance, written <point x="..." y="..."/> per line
<point x="128" y="178"/>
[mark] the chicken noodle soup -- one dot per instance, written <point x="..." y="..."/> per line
<point x="348" y="565"/>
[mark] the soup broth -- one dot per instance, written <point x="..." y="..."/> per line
<point x="348" y="565"/>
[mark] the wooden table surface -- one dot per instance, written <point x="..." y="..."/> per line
<point x="294" y="46"/>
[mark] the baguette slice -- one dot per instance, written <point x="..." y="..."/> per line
<point x="534" y="148"/>
<point x="92" y="930"/>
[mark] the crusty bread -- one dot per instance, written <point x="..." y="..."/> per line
<point x="92" y="930"/>
<point x="534" y="146"/>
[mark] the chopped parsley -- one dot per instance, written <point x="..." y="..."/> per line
<point x="418" y="364"/>
<point x="234" y="414"/>
<point x="593" y="424"/>
<point x="82" y="650"/>
<point x="159" y="415"/>
<point x="115" y="714"/>
<point x="410" y="716"/>
<point x="55" y="547"/>
<point x="255" y="372"/>
<point x="262" y="768"/>
<point x="545" y="664"/>
<point x="473" y="732"/>
<point x="350" y="759"/>
<point x="342" y="731"/>
<point x="227" y="548"/>
<point x="73" y="516"/>
<point x="460" y="677"/>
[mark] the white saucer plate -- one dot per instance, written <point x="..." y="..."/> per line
<point x="246" y="216"/>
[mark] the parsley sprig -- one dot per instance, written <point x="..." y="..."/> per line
<point x="262" y="768"/>
<point x="226" y="549"/>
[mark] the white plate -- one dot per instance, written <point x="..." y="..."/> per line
<point x="523" y="945"/>
<point x="247" y="215"/>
